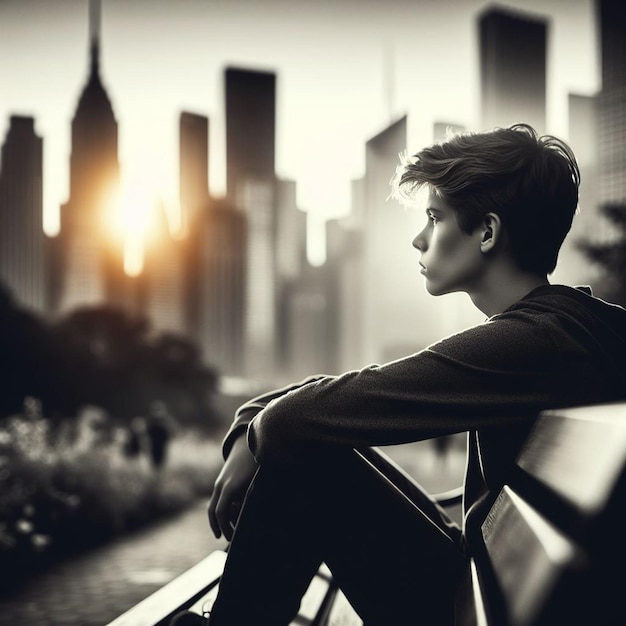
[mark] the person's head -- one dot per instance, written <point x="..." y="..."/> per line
<point x="529" y="182"/>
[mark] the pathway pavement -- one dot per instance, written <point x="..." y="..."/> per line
<point x="93" y="589"/>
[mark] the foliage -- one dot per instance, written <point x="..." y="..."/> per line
<point x="80" y="398"/>
<point x="611" y="255"/>
<point x="68" y="488"/>
<point x="24" y="346"/>
<point x="104" y="357"/>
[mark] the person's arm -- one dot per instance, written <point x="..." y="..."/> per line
<point x="240" y="465"/>
<point x="504" y="369"/>
<point x="247" y="411"/>
<point x="230" y="489"/>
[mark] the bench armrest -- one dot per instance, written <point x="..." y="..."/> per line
<point x="403" y="480"/>
<point x="452" y="497"/>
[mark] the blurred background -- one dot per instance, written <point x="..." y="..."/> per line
<point x="194" y="209"/>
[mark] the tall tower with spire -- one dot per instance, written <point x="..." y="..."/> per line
<point x="92" y="267"/>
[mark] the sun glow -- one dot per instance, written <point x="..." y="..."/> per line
<point x="142" y="219"/>
<point x="128" y="220"/>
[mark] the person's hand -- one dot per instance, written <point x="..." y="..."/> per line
<point x="230" y="489"/>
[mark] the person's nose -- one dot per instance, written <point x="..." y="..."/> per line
<point x="420" y="242"/>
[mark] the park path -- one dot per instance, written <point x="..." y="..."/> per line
<point x="93" y="589"/>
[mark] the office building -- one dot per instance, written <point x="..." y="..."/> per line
<point x="221" y="287"/>
<point x="250" y="127"/>
<point x="251" y="187"/>
<point x="161" y="279"/>
<point x="612" y="102"/>
<point x="22" y="244"/>
<point x="194" y="200"/>
<point x="512" y="68"/>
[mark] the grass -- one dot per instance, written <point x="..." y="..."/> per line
<point x="69" y="489"/>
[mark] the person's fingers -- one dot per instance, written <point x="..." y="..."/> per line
<point x="213" y="521"/>
<point x="229" y="531"/>
<point x="235" y="509"/>
<point x="223" y="515"/>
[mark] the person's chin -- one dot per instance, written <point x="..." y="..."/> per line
<point x="436" y="290"/>
<point x="432" y="289"/>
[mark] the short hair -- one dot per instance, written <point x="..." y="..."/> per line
<point x="530" y="181"/>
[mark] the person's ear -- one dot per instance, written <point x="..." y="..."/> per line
<point x="491" y="232"/>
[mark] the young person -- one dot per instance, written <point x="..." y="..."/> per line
<point x="295" y="490"/>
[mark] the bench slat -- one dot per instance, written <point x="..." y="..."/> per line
<point x="469" y="607"/>
<point x="177" y="594"/>
<point x="532" y="561"/>
<point x="579" y="454"/>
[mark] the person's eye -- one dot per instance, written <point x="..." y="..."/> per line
<point x="433" y="218"/>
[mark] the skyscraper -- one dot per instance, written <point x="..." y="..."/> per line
<point x="251" y="187"/>
<point x="258" y="202"/>
<point x="573" y="267"/>
<point x="161" y="281"/>
<point x="305" y="326"/>
<point x="194" y="200"/>
<point x="612" y="102"/>
<point x="92" y="257"/>
<point x="214" y="254"/>
<point x="221" y="287"/>
<point x="388" y="304"/>
<point x="21" y="217"/>
<point x="512" y="68"/>
<point x="312" y="329"/>
<point x="250" y="127"/>
<point x="344" y="275"/>
<point x="193" y="165"/>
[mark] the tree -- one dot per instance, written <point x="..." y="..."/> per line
<point x="102" y="349"/>
<point x="101" y="356"/>
<point x="611" y="255"/>
<point x="183" y="382"/>
<point x="25" y="354"/>
<point x="124" y="367"/>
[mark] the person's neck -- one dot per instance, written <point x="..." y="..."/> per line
<point x="505" y="289"/>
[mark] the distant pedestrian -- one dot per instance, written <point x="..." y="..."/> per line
<point x="158" y="431"/>
<point x="442" y="445"/>
<point x="134" y="435"/>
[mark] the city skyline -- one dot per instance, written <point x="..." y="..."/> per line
<point x="236" y="280"/>
<point x="325" y="113"/>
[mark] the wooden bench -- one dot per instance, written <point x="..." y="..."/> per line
<point x="550" y="548"/>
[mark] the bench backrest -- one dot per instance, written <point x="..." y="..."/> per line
<point x="552" y="549"/>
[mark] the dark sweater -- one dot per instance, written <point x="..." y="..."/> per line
<point x="557" y="347"/>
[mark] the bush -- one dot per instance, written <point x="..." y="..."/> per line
<point x="71" y="488"/>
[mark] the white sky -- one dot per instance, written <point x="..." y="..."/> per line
<point x="159" y="57"/>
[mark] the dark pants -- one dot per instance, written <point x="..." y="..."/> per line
<point x="397" y="560"/>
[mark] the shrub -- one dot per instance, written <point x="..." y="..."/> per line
<point x="71" y="488"/>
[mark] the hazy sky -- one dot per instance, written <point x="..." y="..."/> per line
<point x="345" y="69"/>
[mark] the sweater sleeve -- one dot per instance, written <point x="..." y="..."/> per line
<point x="504" y="369"/>
<point x="247" y="411"/>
